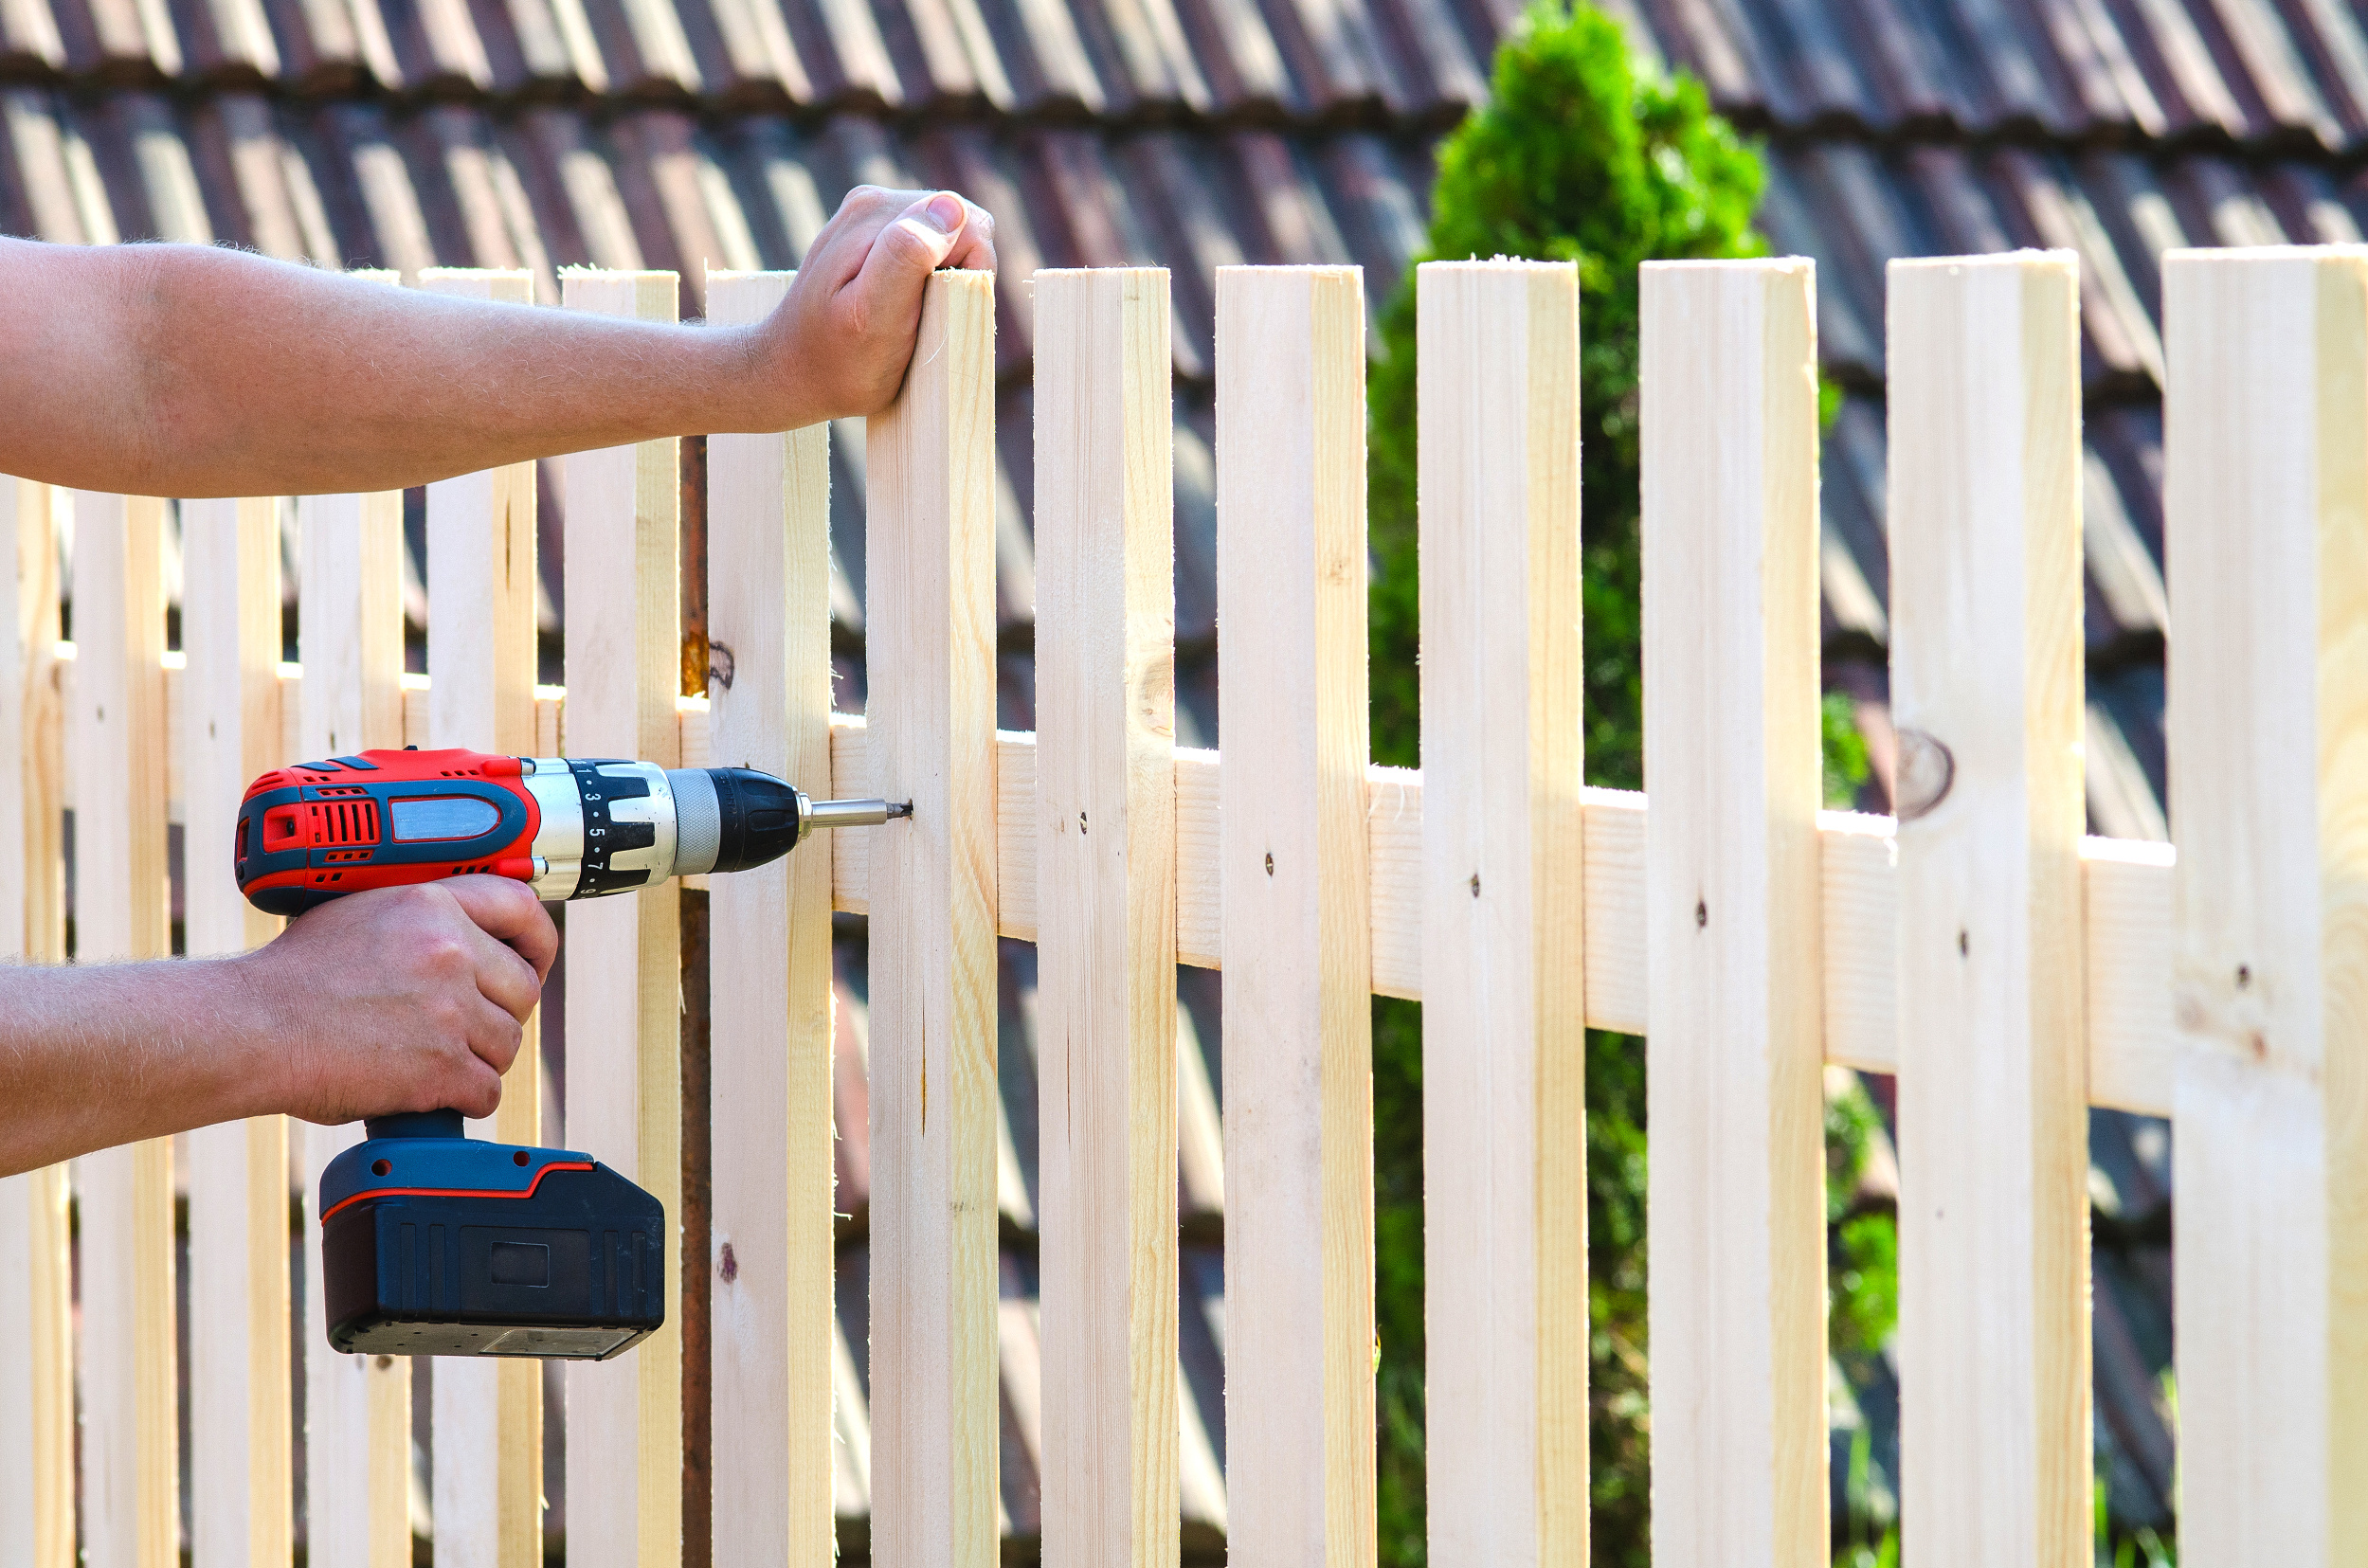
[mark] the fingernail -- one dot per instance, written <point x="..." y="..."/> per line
<point x="944" y="212"/>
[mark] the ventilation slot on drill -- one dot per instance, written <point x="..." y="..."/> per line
<point x="335" y="823"/>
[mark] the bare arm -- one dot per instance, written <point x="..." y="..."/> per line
<point x="191" y="370"/>
<point x="406" y="999"/>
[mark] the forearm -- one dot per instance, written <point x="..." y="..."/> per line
<point x="92" y="1057"/>
<point x="215" y="372"/>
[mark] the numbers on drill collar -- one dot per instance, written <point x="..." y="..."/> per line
<point x="604" y="837"/>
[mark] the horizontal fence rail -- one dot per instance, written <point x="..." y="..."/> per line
<point x="2010" y="971"/>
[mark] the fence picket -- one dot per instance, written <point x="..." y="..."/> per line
<point x="1736" y="1233"/>
<point x="1984" y="406"/>
<point x="242" y="1502"/>
<point x="36" y="1323"/>
<point x="357" y="1409"/>
<point x="769" y="1072"/>
<point x="1104" y="825"/>
<point x="929" y="647"/>
<point x="1296" y="936"/>
<point x="1504" y="1026"/>
<point x="2266" y="493"/>
<point x="131" y="1448"/>
<point x="481" y="651"/>
<point x="624" y="1064"/>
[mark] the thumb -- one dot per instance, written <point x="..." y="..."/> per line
<point x="909" y="249"/>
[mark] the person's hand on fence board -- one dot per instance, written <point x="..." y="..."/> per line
<point x="401" y="998"/>
<point x="198" y="371"/>
<point x="839" y="345"/>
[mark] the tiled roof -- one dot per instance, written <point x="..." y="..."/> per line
<point x="1193" y="134"/>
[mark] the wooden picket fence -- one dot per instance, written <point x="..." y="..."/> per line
<point x="2011" y="972"/>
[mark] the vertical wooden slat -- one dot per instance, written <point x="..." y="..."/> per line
<point x="624" y="1060"/>
<point x="130" y="1448"/>
<point x="1736" y="1234"/>
<point x="1504" y="1021"/>
<point x="2266" y="510"/>
<point x="768" y="623"/>
<point x="357" y="1458"/>
<point x="36" y="1326"/>
<point x="488" y="1416"/>
<point x="241" y="1506"/>
<point x="1105" y="933"/>
<point x="930" y="652"/>
<point x="1993" y="1081"/>
<point x="1296" y="939"/>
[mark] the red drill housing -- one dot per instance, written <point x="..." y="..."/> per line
<point x="316" y="831"/>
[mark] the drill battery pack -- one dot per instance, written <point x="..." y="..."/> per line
<point x="437" y="1244"/>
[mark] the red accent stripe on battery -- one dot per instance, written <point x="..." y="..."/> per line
<point x="458" y="1192"/>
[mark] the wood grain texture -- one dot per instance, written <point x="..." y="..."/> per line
<point x="1993" y="1131"/>
<point x="482" y="652"/>
<point x="358" y="1449"/>
<point x="624" y="1064"/>
<point x="2266" y="506"/>
<point x="929" y="635"/>
<point x="227" y="730"/>
<point x="115" y="731"/>
<point x="36" y="1323"/>
<point x="1500" y="897"/>
<point x="1104" y="828"/>
<point x="1736" y="1234"/>
<point x="1297" y="925"/>
<point x="768" y="615"/>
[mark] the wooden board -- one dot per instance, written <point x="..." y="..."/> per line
<point x="357" y="1458"/>
<point x="1500" y="895"/>
<point x="1293" y="879"/>
<point x="930" y="636"/>
<point x="625" y="1062"/>
<point x="129" y="1439"/>
<point x="1736" y="1234"/>
<point x="488" y="1415"/>
<point x="1104" y="826"/>
<point x="2265" y="506"/>
<point x="1986" y="691"/>
<point x="227" y="730"/>
<point x="769" y="1054"/>
<point x="36" y="1325"/>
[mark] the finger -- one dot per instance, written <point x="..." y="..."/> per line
<point x="838" y="250"/>
<point x="473" y="1089"/>
<point x="906" y="252"/>
<point x="494" y="1036"/>
<point x="509" y="913"/>
<point x="505" y="979"/>
<point x="974" y="251"/>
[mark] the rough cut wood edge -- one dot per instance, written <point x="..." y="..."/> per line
<point x="1732" y="917"/>
<point x="226" y="731"/>
<point x="1504" y="1016"/>
<point x="625" y="1069"/>
<point x="1292" y="877"/>
<point x="481" y="641"/>
<point x="930" y="632"/>
<point x="769" y="1085"/>
<point x="2265" y="494"/>
<point x="130" y="1428"/>
<point x="349" y="627"/>
<point x="36" y="1340"/>
<point x="1993" y="1104"/>
<point x="1106" y="861"/>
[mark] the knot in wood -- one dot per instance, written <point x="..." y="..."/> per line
<point x="1925" y="771"/>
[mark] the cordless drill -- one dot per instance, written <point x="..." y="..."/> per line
<point x="434" y="1243"/>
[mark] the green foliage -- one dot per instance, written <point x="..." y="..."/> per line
<point x="1578" y="156"/>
